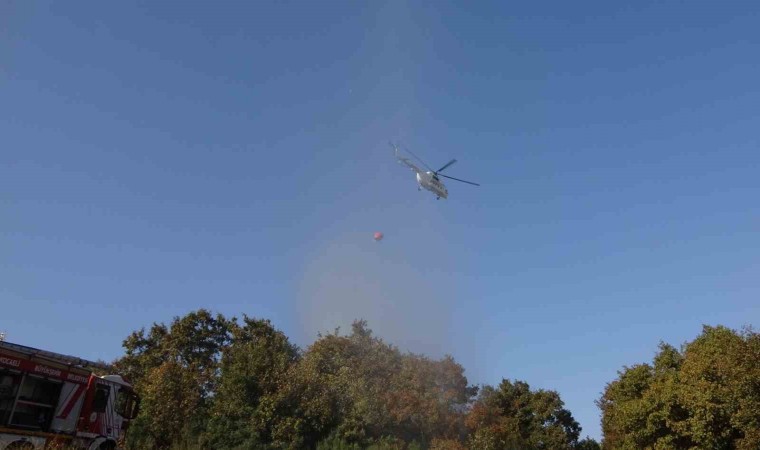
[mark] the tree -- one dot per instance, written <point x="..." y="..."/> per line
<point x="336" y="390"/>
<point x="588" y="444"/>
<point x="408" y="396"/>
<point x="512" y="416"/>
<point x="211" y="382"/>
<point x="253" y="367"/>
<point x="446" y="444"/>
<point x="358" y="390"/>
<point x="307" y="406"/>
<point x="705" y="396"/>
<point x="427" y="399"/>
<point x="171" y="396"/>
<point x="175" y="369"/>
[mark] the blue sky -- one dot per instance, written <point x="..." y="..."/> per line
<point x="159" y="158"/>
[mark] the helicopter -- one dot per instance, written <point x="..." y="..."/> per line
<point x="430" y="179"/>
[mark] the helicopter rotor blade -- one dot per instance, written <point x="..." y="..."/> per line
<point x="457" y="179"/>
<point x="447" y="165"/>
<point x="418" y="159"/>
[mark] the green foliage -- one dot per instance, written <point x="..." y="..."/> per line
<point x="175" y="370"/>
<point x="214" y="383"/>
<point x="334" y="442"/>
<point x="211" y="382"/>
<point x="705" y="396"/>
<point x="587" y="444"/>
<point x="513" y="416"/>
<point x="253" y="366"/>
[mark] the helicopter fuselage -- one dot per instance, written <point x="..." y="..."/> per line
<point x="430" y="180"/>
<point x="432" y="183"/>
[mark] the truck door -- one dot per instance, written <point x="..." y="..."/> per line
<point x="69" y="406"/>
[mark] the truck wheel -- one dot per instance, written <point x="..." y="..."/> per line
<point x="107" y="445"/>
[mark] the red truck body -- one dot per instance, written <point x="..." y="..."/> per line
<point x="47" y="398"/>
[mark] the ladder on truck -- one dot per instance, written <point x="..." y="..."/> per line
<point x="60" y="358"/>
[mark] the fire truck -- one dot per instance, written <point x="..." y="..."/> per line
<point x="50" y="400"/>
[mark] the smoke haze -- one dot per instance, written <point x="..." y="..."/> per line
<point x="353" y="277"/>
